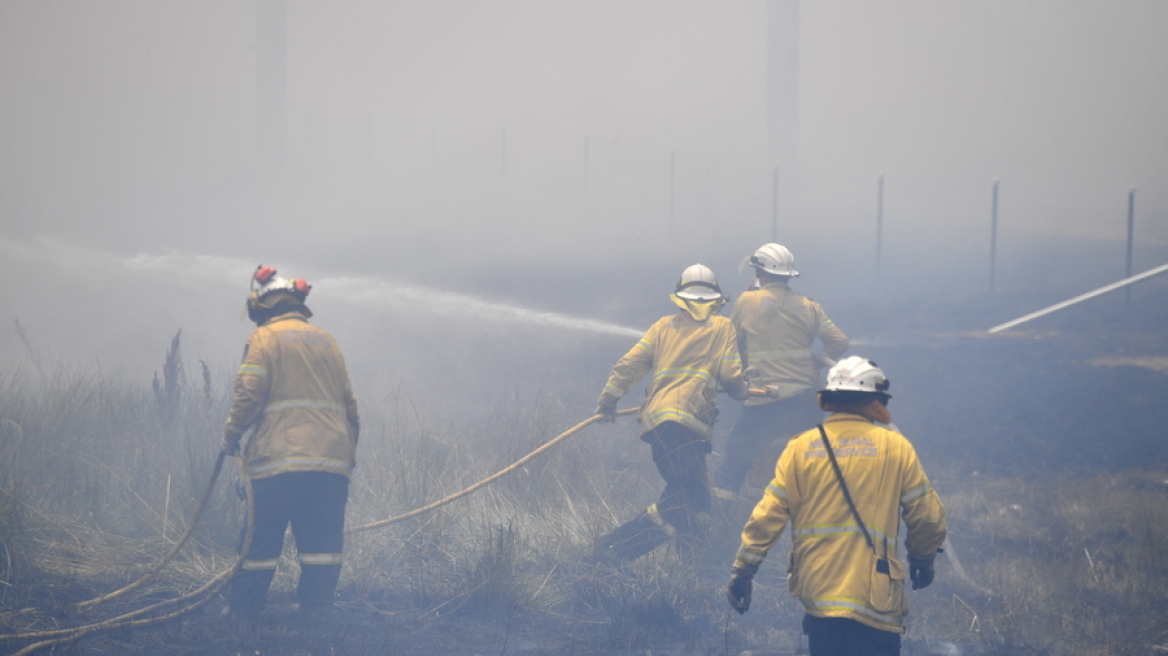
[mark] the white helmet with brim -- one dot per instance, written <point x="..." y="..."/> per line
<point x="857" y="374"/>
<point x="698" y="283"/>
<point x="772" y="258"/>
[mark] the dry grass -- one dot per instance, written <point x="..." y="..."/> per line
<point x="1058" y="565"/>
<point x="1055" y="564"/>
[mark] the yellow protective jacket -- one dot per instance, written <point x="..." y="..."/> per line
<point x="776" y="328"/>
<point x="688" y="360"/>
<point x="832" y="568"/>
<point x="293" y="387"/>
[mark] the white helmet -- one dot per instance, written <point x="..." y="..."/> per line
<point x="698" y="283"/>
<point x="774" y="258"/>
<point x="857" y="374"/>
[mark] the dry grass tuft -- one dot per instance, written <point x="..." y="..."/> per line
<point x="1055" y="564"/>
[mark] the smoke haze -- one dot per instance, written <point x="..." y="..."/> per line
<point x="493" y="200"/>
<point x="556" y="162"/>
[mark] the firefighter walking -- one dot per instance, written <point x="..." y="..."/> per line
<point x="844" y="486"/>
<point x="689" y="354"/>
<point x="776" y="328"/>
<point x="293" y="391"/>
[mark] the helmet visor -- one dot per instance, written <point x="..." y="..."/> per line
<point x="698" y="291"/>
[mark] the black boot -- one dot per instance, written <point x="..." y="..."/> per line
<point x="630" y="541"/>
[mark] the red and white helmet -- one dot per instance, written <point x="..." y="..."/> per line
<point x="773" y="258"/>
<point x="266" y="288"/>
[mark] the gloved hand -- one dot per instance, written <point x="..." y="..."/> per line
<point x="739" y="588"/>
<point x="230" y="443"/>
<point x="606" y="408"/>
<point x="920" y="570"/>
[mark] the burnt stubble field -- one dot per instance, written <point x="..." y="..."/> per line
<point x="1047" y="444"/>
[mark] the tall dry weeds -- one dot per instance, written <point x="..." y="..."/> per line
<point x="1058" y="565"/>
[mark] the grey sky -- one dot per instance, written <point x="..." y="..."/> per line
<point x="1041" y="89"/>
<point x="433" y="141"/>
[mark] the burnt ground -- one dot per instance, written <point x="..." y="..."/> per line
<point x="354" y="629"/>
<point x="1081" y="393"/>
<point x="1082" y="390"/>
<point x="363" y="627"/>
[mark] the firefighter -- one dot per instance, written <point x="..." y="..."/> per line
<point x="843" y="486"/>
<point x="689" y="354"/>
<point x="776" y="329"/>
<point x="292" y="390"/>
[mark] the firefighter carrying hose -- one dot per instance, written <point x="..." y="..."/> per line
<point x="844" y="486"/>
<point x="690" y="354"/>
<point x="776" y="329"/>
<point x="293" y="390"/>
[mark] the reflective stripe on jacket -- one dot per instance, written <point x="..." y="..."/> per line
<point x="293" y="387"/>
<point x="776" y="328"/>
<point x="688" y="360"/>
<point x="832" y="569"/>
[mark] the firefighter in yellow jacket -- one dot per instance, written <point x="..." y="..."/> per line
<point x="776" y="328"/>
<point x="844" y="486"/>
<point x="689" y="354"/>
<point x="292" y="390"/>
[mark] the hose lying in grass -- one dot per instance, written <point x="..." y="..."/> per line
<point x="507" y="470"/>
<point x="62" y="636"/>
<point x="173" y="550"/>
<point x="488" y="480"/>
<point x="951" y="554"/>
<point x="127" y="620"/>
<point x="207" y="591"/>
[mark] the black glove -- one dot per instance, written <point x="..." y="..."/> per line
<point x="920" y="570"/>
<point x="231" y="443"/>
<point x="739" y="588"/>
<point x="606" y="408"/>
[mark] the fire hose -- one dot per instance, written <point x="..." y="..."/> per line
<point x="507" y="470"/>
<point x="208" y="590"/>
<point x="488" y="480"/>
<point x="131" y="619"/>
<point x="173" y="550"/>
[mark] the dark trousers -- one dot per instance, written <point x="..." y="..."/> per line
<point x="314" y="504"/>
<point x="840" y="636"/>
<point x="680" y="456"/>
<point x="757" y="427"/>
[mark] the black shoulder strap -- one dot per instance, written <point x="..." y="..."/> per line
<point x="843" y="486"/>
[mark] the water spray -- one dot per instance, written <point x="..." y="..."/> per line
<point x="377" y="292"/>
<point x="368" y="291"/>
